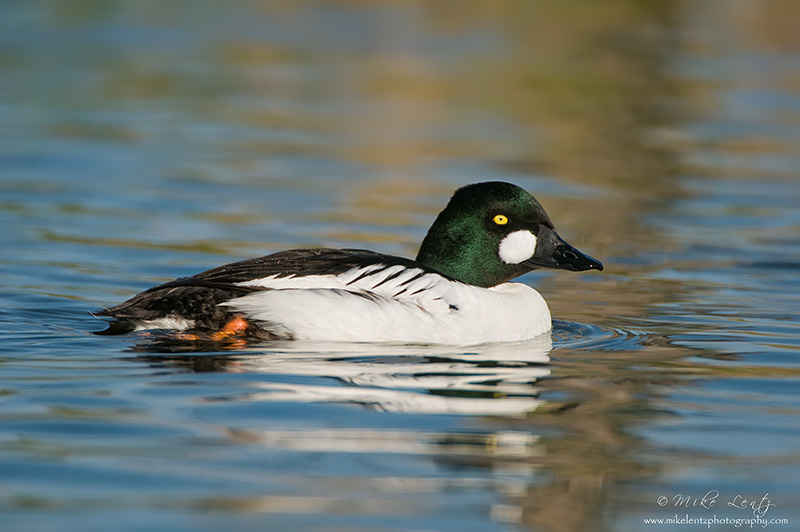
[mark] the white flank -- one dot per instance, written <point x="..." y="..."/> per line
<point x="517" y="247"/>
<point x="354" y="307"/>
<point x="174" y="323"/>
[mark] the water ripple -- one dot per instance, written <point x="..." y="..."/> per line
<point x="574" y="335"/>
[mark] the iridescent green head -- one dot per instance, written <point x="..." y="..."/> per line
<point x="492" y="232"/>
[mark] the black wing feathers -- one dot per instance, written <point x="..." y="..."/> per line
<point x="301" y="262"/>
<point x="198" y="297"/>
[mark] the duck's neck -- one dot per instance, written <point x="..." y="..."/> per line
<point x="461" y="255"/>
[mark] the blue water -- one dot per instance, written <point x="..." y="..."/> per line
<point x="144" y="141"/>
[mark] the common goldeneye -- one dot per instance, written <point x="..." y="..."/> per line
<point x="455" y="292"/>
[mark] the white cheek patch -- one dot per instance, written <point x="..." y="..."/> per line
<point x="517" y="247"/>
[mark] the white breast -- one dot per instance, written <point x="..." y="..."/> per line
<point x="394" y="304"/>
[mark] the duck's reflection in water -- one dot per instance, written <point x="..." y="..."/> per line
<point x="490" y="379"/>
<point x="471" y="422"/>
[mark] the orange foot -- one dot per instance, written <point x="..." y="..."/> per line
<point x="230" y="334"/>
<point x="235" y="326"/>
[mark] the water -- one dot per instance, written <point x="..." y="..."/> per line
<point x="143" y="141"/>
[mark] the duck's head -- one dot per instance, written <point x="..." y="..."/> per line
<point x="492" y="232"/>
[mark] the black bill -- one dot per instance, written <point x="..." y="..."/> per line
<point x="553" y="252"/>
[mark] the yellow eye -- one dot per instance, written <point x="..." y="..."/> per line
<point x="500" y="219"/>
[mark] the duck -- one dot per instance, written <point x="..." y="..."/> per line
<point x="457" y="291"/>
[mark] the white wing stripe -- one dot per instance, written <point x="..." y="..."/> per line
<point x="357" y="274"/>
<point x="379" y="278"/>
<point x="306" y="281"/>
<point x="388" y="281"/>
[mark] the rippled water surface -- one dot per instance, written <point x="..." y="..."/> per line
<point x="143" y="141"/>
